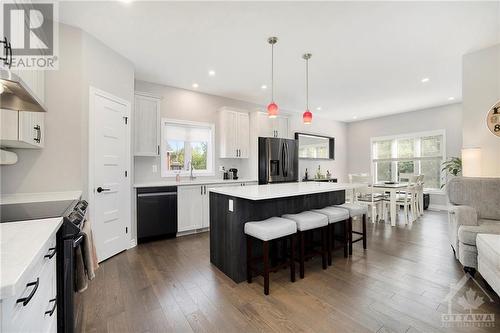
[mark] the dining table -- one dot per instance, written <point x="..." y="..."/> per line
<point x="393" y="189"/>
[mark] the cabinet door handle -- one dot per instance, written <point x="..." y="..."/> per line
<point x="51" y="253"/>
<point x="201" y="190"/>
<point x="51" y="311"/>
<point x="27" y="299"/>
<point x="38" y="134"/>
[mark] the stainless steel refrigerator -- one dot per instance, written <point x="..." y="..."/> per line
<point x="278" y="160"/>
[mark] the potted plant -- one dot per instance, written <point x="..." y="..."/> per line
<point x="452" y="166"/>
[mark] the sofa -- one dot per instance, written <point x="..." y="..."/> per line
<point x="474" y="209"/>
<point x="488" y="259"/>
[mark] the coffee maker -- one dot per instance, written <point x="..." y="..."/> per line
<point x="234" y="173"/>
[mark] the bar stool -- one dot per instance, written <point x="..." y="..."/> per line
<point x="355" y="210"/>
<point x="268" y="230"/>
<point x="309" y="221"/>
<point x="336" y="216"/>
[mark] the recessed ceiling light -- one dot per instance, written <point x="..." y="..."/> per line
<point x="355" y="117"/>
<point x="424" y="80"/>
<point x="195" y="85"/>
<point x="264" y="87"/>
<point x="211" y="73"/>
<point x="451" y="98"/>
<point x="318" y="108"/>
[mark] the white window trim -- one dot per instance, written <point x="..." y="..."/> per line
<point x="210" y="161"/>
<point x="394" y="158"/>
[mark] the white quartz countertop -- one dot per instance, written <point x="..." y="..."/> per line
<point x="20" y="243"/>
<point x="198" y="181"/>
<point x="39" y="197"/>
<point x="273" y="191"/>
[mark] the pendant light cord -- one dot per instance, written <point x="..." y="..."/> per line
<point x="307" y="84"/>
<point x="272" y="73"/>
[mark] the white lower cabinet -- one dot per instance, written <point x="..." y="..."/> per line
<point x="193" y="205"/>
<point x="22" y="129"/>
<point x="34" y="308"/>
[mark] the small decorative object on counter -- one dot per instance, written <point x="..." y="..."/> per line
<point x="178" y="177"/>
<point x="306" y="176"/>
<point x="328" y="174"/>
<point x="318" y="174"/>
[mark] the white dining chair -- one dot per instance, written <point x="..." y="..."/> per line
<point x="407" y="200"/>
<point x="369" y="196"/>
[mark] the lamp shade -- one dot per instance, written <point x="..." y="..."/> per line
<point x="471" y="162"/>
<point x="307" y="117"/>
<point x="272" y="110"/>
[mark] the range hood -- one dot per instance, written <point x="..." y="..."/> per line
<point x="17" y="95"/>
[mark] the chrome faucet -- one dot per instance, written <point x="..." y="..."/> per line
<point x="191" y="176"/>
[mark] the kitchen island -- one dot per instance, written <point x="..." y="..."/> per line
<point x="232" y="207"/>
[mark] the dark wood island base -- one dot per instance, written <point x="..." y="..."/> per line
<point x="227" y="237"/>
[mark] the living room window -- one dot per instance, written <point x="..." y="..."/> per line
<point x="416" y="153"/>
<point x="185" y="142"/>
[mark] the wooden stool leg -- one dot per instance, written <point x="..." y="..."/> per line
<point x="349" y="233"/>
<point x="265" y="253"/>
<point x="323" y="246"/>
<point x="364" y="231"/>
<point x="292" y="258"/>
<point x="346" y="238"/>
<point x="301" y="254"/>
<point x="329" y="242"/>
<point x="249" y="259"/>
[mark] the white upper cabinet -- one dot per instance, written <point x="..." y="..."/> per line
<point x="147" y="125"/>
<point x="234" y="134"/>
<point x="22" y="129"/>
<point x="274" y="128"/>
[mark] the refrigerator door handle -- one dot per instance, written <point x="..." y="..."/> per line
<point x="284" y="159"/>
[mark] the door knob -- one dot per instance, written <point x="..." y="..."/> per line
<point x="100" y="189"/>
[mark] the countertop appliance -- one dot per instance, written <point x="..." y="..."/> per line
<point x="278" y="160"/>
<point x="156" y="212"/>
<point x="234" y="173"/>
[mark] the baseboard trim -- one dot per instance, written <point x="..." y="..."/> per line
<point x="438" y="207"/>
<point x="133" y="243"/>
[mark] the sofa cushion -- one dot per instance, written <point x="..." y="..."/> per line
<point x="483" y="194"/>
<point x="467" y="233"/>
<point x="488" y="248"/>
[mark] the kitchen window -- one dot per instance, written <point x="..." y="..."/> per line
<point x="417" y="153"/>
<point x="185" y="144"/>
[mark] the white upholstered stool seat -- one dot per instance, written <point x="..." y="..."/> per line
<point x="271" y="228"/>
<point x="334" y="214"/>
<point x="354" y="209"/>
<point x="308" y="220"/>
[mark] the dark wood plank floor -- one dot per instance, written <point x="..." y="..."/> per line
<point x="398" y="285"/>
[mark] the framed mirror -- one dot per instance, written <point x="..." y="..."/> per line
<point x="316" y="147"/>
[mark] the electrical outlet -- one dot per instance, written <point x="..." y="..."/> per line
<point x="155" y="168"/>
<point x="231" y="208"/>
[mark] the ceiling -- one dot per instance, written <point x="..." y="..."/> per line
<point x="368" y="58"/>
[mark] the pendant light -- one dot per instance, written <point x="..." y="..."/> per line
<point x="307" y="116"/>
<point x="272" y="108"/>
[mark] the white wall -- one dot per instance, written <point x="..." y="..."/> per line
<point x="447" y="117"/>
<point x="481" y="90"/>
<point x="184" y="104"/>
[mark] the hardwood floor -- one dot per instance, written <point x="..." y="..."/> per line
<point x="398" y="284"/>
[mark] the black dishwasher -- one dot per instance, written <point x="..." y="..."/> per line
<point x="156" y="212"/>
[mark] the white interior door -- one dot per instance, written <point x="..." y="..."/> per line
<point x="110" y="192"/>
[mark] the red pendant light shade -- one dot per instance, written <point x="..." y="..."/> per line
<point x="307" y="117"/>
<point x="272" y="108"/>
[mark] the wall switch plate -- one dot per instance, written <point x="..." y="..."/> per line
<point x="155" y="168"/>
<point x="231" y="208"/>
